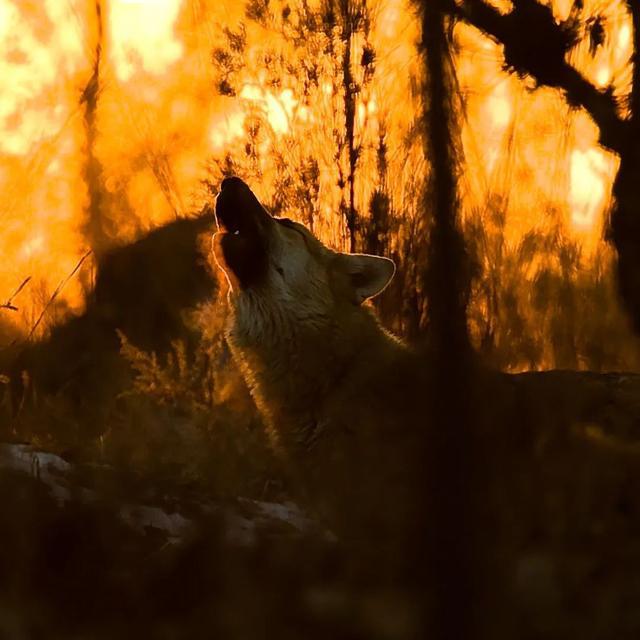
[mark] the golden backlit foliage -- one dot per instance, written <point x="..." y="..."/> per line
<point x="305" y="104"/>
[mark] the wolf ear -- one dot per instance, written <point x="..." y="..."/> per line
<point x="368" y="275"/>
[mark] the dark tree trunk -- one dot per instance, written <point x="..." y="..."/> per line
<point x="625" y="217"/>
<point x="450" y="563"/>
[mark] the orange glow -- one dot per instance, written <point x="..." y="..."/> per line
<point x="160" y="121"/>
<point x="278" y="109"/>
<point x="225" y="129"/>
<point x="142" y="36"/>
<point x="591" y="174"/>
<point x="590" y="177"/>
<point x="30" y="68"/>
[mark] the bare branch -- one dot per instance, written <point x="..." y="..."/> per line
<point x="535" y="45"/>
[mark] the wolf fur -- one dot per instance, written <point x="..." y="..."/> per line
<point x="336" y="390"/>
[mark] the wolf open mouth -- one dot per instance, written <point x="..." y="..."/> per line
<point x="245" y="226"/>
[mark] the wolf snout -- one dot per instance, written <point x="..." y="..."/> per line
<point x="241" y="246"/>
<point x="231" y="203"/>
<point x="237" y="208"/>
<point x="232" y="183"/>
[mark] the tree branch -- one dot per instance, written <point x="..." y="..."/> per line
<point x="535" y="45"/>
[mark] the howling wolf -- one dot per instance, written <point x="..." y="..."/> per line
<point x="338" y="393"/>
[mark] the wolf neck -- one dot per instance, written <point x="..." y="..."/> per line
<point x="296" y="365"/>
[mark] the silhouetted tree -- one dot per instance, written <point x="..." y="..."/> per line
<point x="451" y="561"/>
<point x="536" y="45"/>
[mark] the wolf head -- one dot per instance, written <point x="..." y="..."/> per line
<point x="280" y="260"/>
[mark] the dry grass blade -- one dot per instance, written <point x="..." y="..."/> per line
<point x="9" y="303"/>
<point x="55" y="294"/>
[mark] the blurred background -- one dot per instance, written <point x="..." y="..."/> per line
<point x="115" y="116"/>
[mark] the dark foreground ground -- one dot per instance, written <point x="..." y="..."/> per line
<point x="89" y="550"/>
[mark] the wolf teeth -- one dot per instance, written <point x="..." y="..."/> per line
<point x="237" y="232"/>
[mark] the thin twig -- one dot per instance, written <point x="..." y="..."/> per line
<point x="9" y="303"/>
<point x="55" y="294"/>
